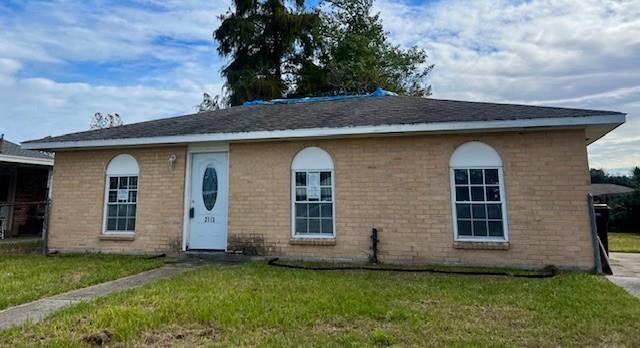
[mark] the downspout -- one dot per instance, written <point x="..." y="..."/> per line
<point x="594" y="234"/>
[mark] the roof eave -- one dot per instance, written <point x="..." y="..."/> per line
<point x="26" y="160"/>
<point x="602" y="124"/>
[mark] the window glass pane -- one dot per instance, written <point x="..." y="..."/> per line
<point x="301" y="194"/>
<point x="122" y="210"/>
<point x="491" y="176"/>
<point x="301" y="225"/>
<point x="209" y="188"/>
<point x="476" y="176"/>
<point x="112" y="210"/>
<point x="464" y="227"/>
<point x="327" y="226"/>
<point x="313" y="186"/>
<point x="314" y="225"/>
<point x="325" y="194"/>
<point x="301" y="179"/>
<point x="461" y="176"/>
<point x="494" y="211"/>
<point x="326" y="210"/>
<point x="113" y="183"/>
<point x="477" y="194"/>
<point x="495" y="229"/>
<point x="493" y="193"/>
<point x="121" y="224"/>
<point x="133" y="196"/>
<point x="131" y="224"/>
<point x="111" y="224"/>
<point x="314" y="210"/>
<point x="131" y="211"/>
<point x="133" y="182"/>
<point x="123" y="182"/>
<point x="113" y="196"/>
<point x="301" y="210"/>
<point x="462" y="193"/>
<point x="478" y="211"/>
<point x="463" y="211"/>
<point x="325" y="178"/>
<point x="480" y="228"/>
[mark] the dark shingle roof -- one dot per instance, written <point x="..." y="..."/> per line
<point x="369" y="111"/>
<point x="610" y="189"/>
<point x="11" y="149"/>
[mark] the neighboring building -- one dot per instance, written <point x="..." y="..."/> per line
<point x="444" y="182"/>
<point x="24" y="178"/>
<point x="603" y="192"/>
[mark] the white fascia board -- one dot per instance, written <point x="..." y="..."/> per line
<point x="26" y="160"/>
<point x="614" y="120"/>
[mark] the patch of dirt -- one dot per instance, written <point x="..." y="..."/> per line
<point x="175" y="336"/>
<point x="100" y="338"/>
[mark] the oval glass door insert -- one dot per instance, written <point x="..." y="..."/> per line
<point x="210" y="187"/>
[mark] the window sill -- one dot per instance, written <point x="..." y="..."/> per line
<point x="479" y="245"/>
<point x="313" y="241"/>
<point x="118" y="236"/>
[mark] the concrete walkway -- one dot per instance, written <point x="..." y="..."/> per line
<point x="39" y="309"/>
<point x="626" y="271"/>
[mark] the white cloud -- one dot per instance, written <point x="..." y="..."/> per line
<point x="574" y="53"/>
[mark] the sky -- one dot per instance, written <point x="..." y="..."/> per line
<point x="61" y="61"/>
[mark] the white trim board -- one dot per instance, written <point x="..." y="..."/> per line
<point x="609" y="120"/>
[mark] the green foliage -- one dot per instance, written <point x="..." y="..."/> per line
<point x="254" y="305"/>
<point x="599" y="176"/>
<point x="355" y="56"/>
<point x="278" y="49"/>
<point x="265" y="40"/>
<point x="624" y="213"/>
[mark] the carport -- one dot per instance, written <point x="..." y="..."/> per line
<point x="24" y="190"/>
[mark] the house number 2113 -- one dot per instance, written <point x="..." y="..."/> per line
<point x="209" y="219"/>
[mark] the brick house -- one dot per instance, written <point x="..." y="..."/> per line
<point x="443" y="181"/>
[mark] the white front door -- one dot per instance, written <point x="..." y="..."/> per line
<point x="208" y="212"/>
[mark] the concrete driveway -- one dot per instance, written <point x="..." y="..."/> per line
<point x="626" y="271"/>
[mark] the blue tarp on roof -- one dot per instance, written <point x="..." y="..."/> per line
<point x="379" y="92"/>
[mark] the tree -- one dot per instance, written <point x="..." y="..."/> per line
<point x="354" y="55"/>
<point x="101" y="121"/>
<point x="209" y="103"/>
<point x="598" y="176"/>
<point x="266" y="41"/>
<point x="635" y="177"/>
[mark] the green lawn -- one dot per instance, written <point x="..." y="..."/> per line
<point x="27" y="277"/>
<point x="258" y="305"/>
<point x="624" y="242"/>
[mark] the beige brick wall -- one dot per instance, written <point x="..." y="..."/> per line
<point x="401" y="184"/>
<point x="78" y="201"/>
<point x="398" y="184"/>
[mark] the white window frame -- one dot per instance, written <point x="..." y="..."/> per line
<point x="478" y="155"/>
<point x="503" y="204"/>
<point x="107" y="181"/>
<point x="314" y="160"/>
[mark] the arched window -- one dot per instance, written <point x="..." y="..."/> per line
<point x="312" y="194"/>
<point x="121" y="196"/>
<point x="477" y="193"/>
